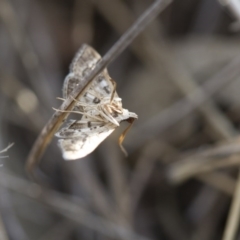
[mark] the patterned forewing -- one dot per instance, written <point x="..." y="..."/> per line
<point x="76" y="128"/>
<point x="83" y="63"/>
<point x="80" y="139"/>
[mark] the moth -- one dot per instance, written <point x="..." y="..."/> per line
<point x="99" y="105"/>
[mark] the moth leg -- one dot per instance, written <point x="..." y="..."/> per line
<point x="108" y="117"/>
<point x="114" y="89"/>
<point x="75" y="100"/>
<point x="123" y="135"/>
<point x="62" y="99"/>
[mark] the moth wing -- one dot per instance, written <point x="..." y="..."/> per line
<point x="83" y="63"/>
<point x="76" y="128"/>
<point x="75" y="146"/>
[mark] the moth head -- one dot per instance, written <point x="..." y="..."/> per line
<point x="117" y="104"/>
<point x="126" y="114"/>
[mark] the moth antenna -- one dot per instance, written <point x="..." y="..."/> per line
<point x="123" y="135"/>
<point x="75" y="100"/>
<point x="78" y="112"/>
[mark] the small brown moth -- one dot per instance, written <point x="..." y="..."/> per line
<point x="100" y="106"/>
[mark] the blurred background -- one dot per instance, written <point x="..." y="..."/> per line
<point x="181" y="76"/>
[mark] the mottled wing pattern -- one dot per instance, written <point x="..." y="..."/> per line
<point x="83" y="63"/>
<point x="82" y="137"/>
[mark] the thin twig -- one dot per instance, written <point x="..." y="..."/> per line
<point x="223" y="150"/>
<point x="234" y="215"/>
<point x="178" y="173"/>
<point x="57" y="119"/>
<point x="215" y="158"/>
<point x="199" y="163"/>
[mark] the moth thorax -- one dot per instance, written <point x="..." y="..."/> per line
<point x="114" y="111"/>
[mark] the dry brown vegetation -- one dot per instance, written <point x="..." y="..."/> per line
<point x="181" y="75"/>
